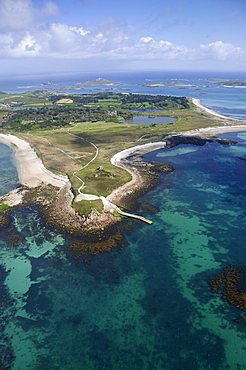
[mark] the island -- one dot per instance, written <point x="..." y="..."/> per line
<point x="169" y="83"/>
<point x="83" y="164"/>
<point x="240" y="84"/>
<point x="99" y="82"/>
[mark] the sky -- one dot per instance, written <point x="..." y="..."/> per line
<point x="40" y="36"/>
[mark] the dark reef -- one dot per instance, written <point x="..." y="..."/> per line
<point x="4" y="219"/>
<point x="232" y="284"/>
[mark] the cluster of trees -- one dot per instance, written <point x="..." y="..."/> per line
<point x="156" y="101"/>
<point x="90" y="108"/>
<point x="57" y="116"/>
<point x="85" y="98"/>
<point x="124" y="100"/>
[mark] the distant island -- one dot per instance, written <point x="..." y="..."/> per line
<point x="174" y="83"/>
<point x="233" y="83"/>
<point x="99" y="82"/>
<point x="48" y="83"/>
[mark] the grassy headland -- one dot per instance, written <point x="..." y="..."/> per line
<point x="67" y="137"/>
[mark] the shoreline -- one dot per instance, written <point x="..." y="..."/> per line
<point x="136" y="181"/>
<point x="31" y="170"/>
<point x="199" y="105"/>
<point x="60" y="213"/>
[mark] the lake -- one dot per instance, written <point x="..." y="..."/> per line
<point x="151" y="120"/>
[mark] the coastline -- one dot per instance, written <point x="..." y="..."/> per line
<point x="198" y="104"/>
<point x="137" y="180"/>
<point x="59" y="211"/>
<point x="216" y="130"/>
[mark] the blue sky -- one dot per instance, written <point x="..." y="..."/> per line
<point x="90" y="35"/>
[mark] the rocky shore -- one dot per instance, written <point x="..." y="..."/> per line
<point x="146" y="175"/>
<point x="4" y="219"/>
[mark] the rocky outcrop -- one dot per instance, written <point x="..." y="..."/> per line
<point x="229" y="282"/>
<point x="61" y="215"/>
<point x="175" y="140"/>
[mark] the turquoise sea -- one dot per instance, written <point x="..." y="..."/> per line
<point x="147" y="303"/>
<point x="9" y="176"/>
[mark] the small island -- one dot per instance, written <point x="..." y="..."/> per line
<point x="99" y="82"/>
<point x="169" y="83"/>
<point x="240" y="84"/>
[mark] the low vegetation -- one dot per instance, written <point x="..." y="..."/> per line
<point x="65" y="136"/>
<point x="44" y="110"/>
<point x="4" y="207"/>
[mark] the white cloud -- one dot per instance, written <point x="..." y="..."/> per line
<point x="146" y="40"/>
<point x="80" y="30"/>
<point x="6" y="40"/>
<point x="220" y="50"/>
<point x="151" y="48"/>
<point x="27" y="47"/>
<point x="21" y="14"/>
<point x="108" y="41"/>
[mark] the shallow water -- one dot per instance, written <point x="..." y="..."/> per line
<point x="8" y="172"/>
<point x="147" y="303"/>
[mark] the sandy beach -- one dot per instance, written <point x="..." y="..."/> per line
<point x="30" y="168"/>
<point x="136" y="180"/>
<point x="210" y="111"/>
<point x="217" y="130"/>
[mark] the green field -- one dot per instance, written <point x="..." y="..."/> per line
<point x="66" y="150"/>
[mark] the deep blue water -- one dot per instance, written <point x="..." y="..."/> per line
<point x="227" y="101"/>
<point x="146" y="304"/>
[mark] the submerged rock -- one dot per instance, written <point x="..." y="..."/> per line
<point x="4" y="219"/>
<point x="232" y="284"/>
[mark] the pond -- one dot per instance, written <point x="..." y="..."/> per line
<point x="151" y="120"/>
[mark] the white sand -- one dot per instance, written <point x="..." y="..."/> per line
<point x="115" y="160"/>
<point x="210" y="111"/>
<point x="30" y="168"/>
<point x="216" y="130"/>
